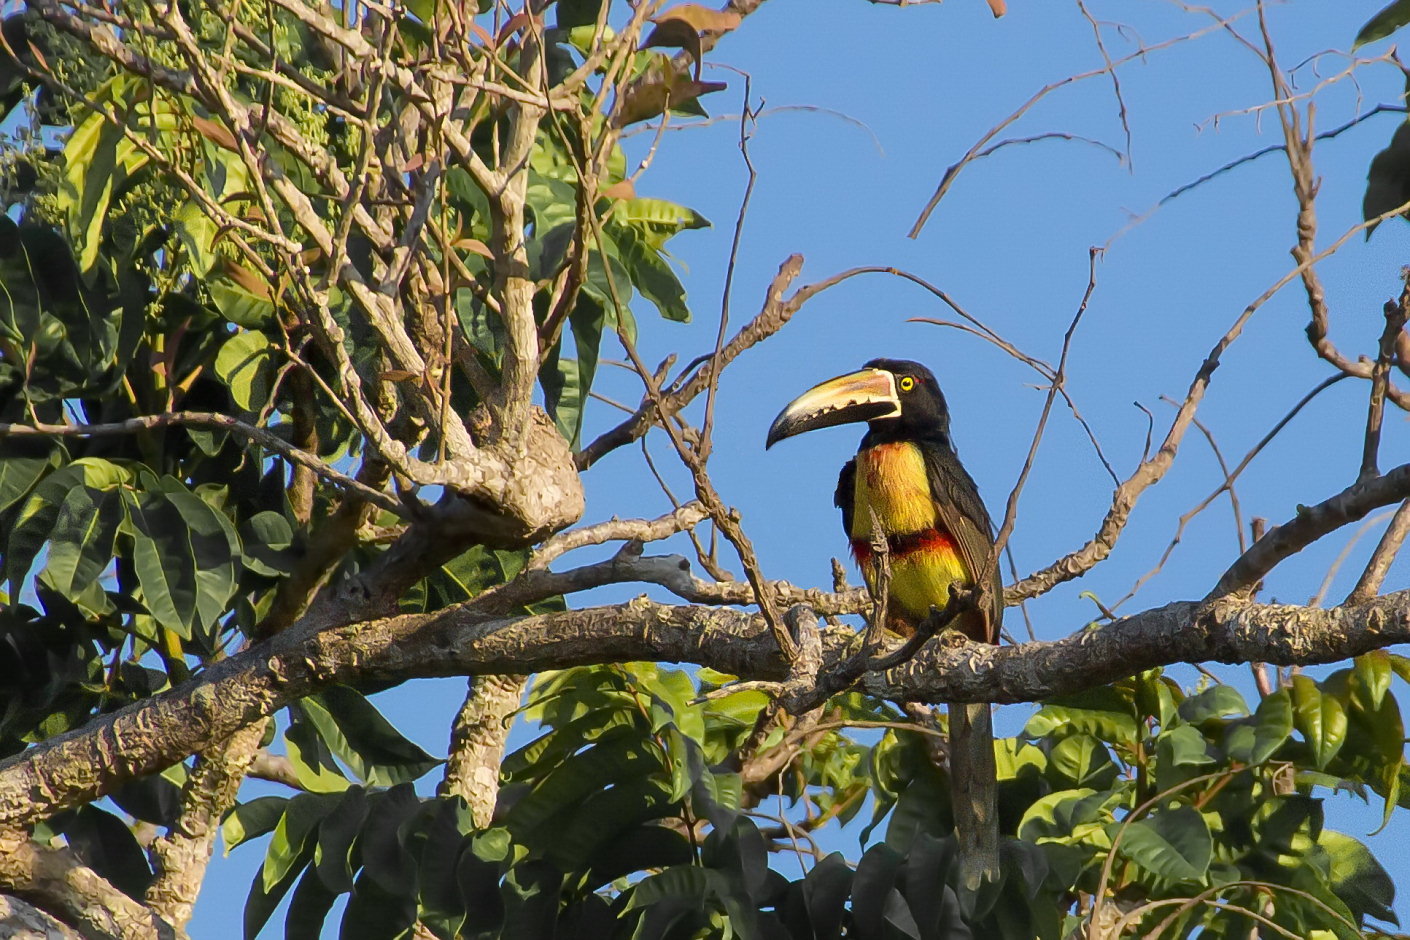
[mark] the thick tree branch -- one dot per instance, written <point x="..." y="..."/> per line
<point x="58" y="883"/>
<point x="477" y="744"/>
<point x="183" y="853"/>
<point x="144" y="737"/>
<point x="20" y="920"/>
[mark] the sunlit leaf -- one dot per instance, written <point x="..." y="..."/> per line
<point x="1319" y="718"/>
<point x="245" y="363"/>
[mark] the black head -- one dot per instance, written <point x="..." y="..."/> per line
<point x="923" y="409"/>
<point x="898" y="399"/>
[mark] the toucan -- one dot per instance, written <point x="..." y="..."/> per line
<point x="907" y="485"/>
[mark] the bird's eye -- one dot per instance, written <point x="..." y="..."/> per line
<point x="907" y="383"/>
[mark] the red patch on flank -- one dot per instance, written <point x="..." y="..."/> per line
<point x="901" y="546"/>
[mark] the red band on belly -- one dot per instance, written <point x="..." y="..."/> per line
<point x="899" y="546"/>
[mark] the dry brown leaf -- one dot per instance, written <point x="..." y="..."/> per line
<point x="660" y="87"/>
<point x="251" y="281"/>
<point x="476" y="246"/>
<point x="703" y="18"/>
<point x="620" y="190"/>
<point x="214" y="132"/>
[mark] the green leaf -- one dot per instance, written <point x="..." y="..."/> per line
<point x="657" y="218"/>
<point x="164" y="561"/>
<point x="214" y="547"/>
<point x="541" y="755"/>
<point x="1108" y="725"/>
<point x="197" y="233"/>
<point x="1319" y="718"/>
<point x="1083" y="761"/>
<point x="267" y="544"/>
<point x="237" y="303"/>
<point x="1387" y="21"/>
<point x="1180" y="752"/>
<point x="1061" y="816"/>
<point x="1272" y="724"/>
<point x="685" y="884"/>
<point x="98" y="160"/>
<point x="21" y="468"/>
<point x="653" y="277"/>
<point x="251" y="819"/>
<point x="35" y="522"/>
<point x="358" y="734"/>
<point x="1357" y="878"/>
<point x="312" y="760"/>
<point x="1174" y="844"/>
<point x="286" y="849"/>
<point x="245" y="363"/>
<point x="1217" y="701"/>
<point x="1373" y="672"/>
<point x="81" y="541"/>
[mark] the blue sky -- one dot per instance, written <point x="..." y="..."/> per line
<point x="897" y="95"/>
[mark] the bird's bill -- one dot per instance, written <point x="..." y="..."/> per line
<point x="857" y="396"/>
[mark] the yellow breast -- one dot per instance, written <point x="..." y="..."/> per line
<point x="891" y="482"/>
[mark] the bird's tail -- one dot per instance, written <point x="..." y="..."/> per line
<point x="972" y="784"/>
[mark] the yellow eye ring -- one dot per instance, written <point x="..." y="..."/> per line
<point x="907" y="383"/>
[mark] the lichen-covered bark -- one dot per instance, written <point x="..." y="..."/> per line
<point x="154" y="733"/>
<point x="56" y="881"/>
<point x="477" y="744"/>
<point x="20" y="920"/>
<point x="182" y="854"/>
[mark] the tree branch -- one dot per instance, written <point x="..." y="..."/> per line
<point x="154" y="733"/>
<point x="1310" y="524"/>
<point x="56" y="882"/>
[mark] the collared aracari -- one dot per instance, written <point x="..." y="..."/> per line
<point x="907" y="482"/>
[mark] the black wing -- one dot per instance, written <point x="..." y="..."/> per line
<point x="846" y="489"/>
<point x="962" y="513"/>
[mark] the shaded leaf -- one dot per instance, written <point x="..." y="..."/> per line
<point x="357" y="733"/>
<point x="1388" y="180"/>
<point x="1385" y="22"/>
<point x="1173" y="843"/>
<point x="251" y="819"/>
<point x="1358" y="879"/>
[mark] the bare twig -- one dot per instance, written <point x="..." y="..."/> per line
<point x="1395" y="314"/>
<point x="641" y="530"/>
<point x="261" y="436"/>
<point x="1310" y="524"/>
<point x="1371" y="578"/>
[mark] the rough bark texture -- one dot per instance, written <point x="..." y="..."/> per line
<point x="477" y="743"/>
<point x="155" y="733"/>
<point x="55" y="880"/>
<point x="183" y="853"/>
<point x="20" y="920"/>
